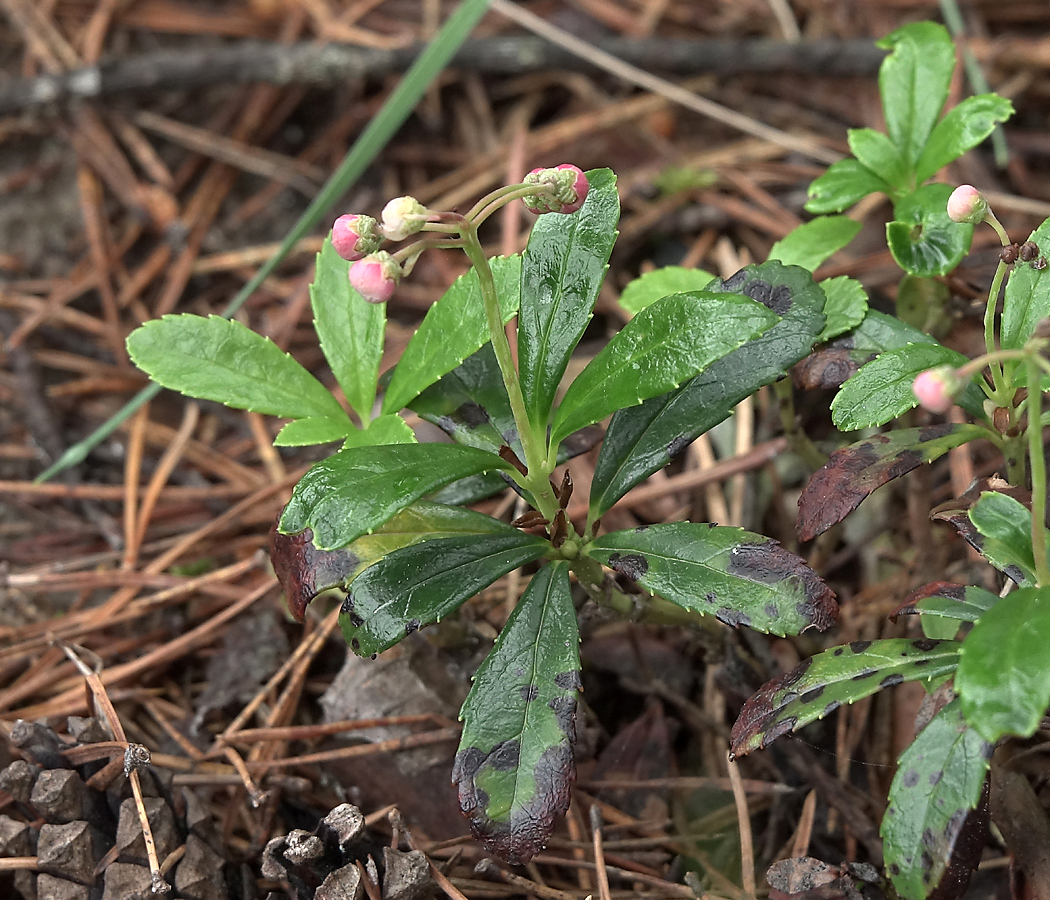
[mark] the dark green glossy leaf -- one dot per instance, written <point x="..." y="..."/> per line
<point x="845" y="306"/>
<point x="1027" y="298"/>
<point x="313" y="430"/>
<point x="922" y="239"/>
<point x="962" y="129"/>
<point x="470" y="404"/>
<point x="659" y="283"/>
<point x="1004" y="669"/>
<point x="821" y="684"/>
<point x="424" y="582"/>
<point x="453" y="328"/>
<point x="349" y="328"/>
<point x="913" y="82"/>
<point x="664" y="345"/>
<point x="876" y="152"/>
<point x="842" y="185"/>
<point x="562" y="271"/>
<point x="643" y="439"/>
<point x="881" y="390"/>
<point x="515" y="765"/>
<point x="879" y="331"/>
<point x="219" y="359"/>
<point x="812" y="243"/>
<point x="304" y="571"/>
<point x="355" y="491"/>
<point x="469" y="490"/>
<point x="739" y="577"/>
<point x="939" y="781"/>
<point x="854" y="472"/>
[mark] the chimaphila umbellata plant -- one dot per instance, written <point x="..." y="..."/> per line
<point x="379" y="518"/>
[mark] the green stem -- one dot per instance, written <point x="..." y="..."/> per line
<point x="1013" y="456"/>
<point x="799" y="440"/>
<point x="1037" y="460"/>
<point x="989" y="331"/>
<point x="538" y="477"/>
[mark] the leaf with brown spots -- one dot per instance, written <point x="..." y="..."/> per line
<point x="853" y="472"/>
<point x="934" y="808"/>
<point x="515" y="765"/>
<point x="304" y="571"/>
<point x="944" y="605"/>
<point x="644" y="438"/>
<point x="739" y="577"/>
<point x="821" y="684"/>
<point x="997" y="524"/>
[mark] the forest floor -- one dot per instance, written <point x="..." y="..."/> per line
<point x="168" y="193"/>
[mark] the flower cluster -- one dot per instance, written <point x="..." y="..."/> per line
<point x="374" y="273"/>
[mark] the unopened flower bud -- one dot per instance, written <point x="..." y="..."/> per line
<point x="569" y="189"/>
<point x="355" y="237"/>
<point x="403" y="216"/>
<point x="375" y="276"/>
<point x="936" y="389"/>
<point x="967" y="205"/>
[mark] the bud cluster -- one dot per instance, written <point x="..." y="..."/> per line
<point x="374" y="273"/>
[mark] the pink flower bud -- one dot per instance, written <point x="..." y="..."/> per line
<point x="936" y="389"/>
<point x="569" y="187"/>
<point x="967" y="205"/>
<point x="375" y="276"/>
<point x="355" y="236"/>
<point x="403" y="216"/>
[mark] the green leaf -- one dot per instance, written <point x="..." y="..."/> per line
<point x="562" y="271"/>
<point x="812" y="243"/>
<point x="879" y="331"/>
<point x="821" y="684"/>
<point x="349" y="328"/>
<point x="962" y="129"/>
<point x="1004" y="669"/>
<point x="913" y="82"/>
<point x="922" y="239"/>
<point x="876" y="152"/>
<point x="389" y="429"/>
<point x="1027" y="298"/>
<point x="424" y="582"/>
<point x="453" y="328"/>
<point x="843" y="184"/>
<point x="1005" y="524"/>
<point x="219" y="359"/>
<point x="314" y="430"/>
<point x="845" y="306"/>
<point x="943" y="605"/>
<point x="925" y="303"/>
<point x="355" y="491"/>
<point x="659" y="283"/>
<point x="739" y="577"/>
<point x="645" y="438"/>
<point x="304" y="571"/>
<point x="881" y="390"/>
<point x="939" y="780"/>
<point x="514" y="766"/>
<point x="471" y="489"/>
<point x="656" y="351"/>
<point x="854" y="472"/>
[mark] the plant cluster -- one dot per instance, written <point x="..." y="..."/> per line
<point x="383" y="518"/>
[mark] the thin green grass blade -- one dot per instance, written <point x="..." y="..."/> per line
<point x="388" y="120"/>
